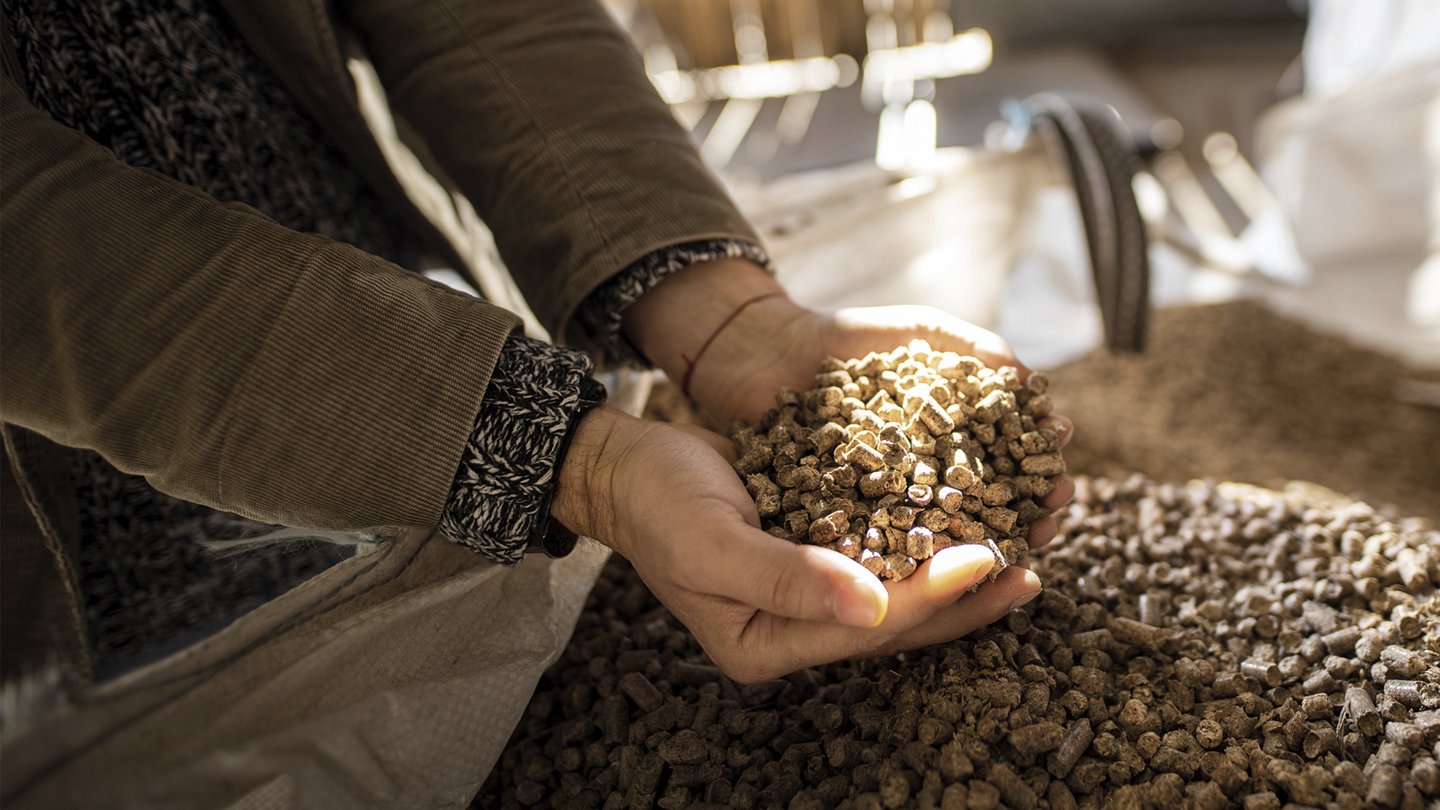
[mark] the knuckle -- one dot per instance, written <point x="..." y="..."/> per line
<point x="681" y="572"/>
<point x="691" y="562"/>
<point x="877" y="642"/>
<point x="741" y="671"/>
<point x="780" y="589"/>
<point x="787" y="590"/>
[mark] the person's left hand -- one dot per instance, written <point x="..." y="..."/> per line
<point x="776" y="343"/>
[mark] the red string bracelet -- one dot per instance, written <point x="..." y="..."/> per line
<point x="690" y="362"/>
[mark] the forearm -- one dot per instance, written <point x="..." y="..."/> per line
<point x="729" y="333"/>
<point x="229" y="360"/>
<point x="585" y="494"/>
<point x="541" y="112"/>
<point x="601" y="316"/>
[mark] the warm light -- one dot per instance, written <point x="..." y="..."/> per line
<point x="890" y="142"/>
<point x="675" y="86"/>
<point x="728" y="131"/>
<point x="912" y="187"/>
<point x="907" y="135"/>
<point x="1150" y="197"/>
<point x="1220" y="147"/>
<point x="921" y="128"/>
<point x="1166" y="134"/>
<point x="760" y="80"/>
<point x="967" y="52"/>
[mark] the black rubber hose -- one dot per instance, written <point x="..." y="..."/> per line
<point x="1102" y="163"/>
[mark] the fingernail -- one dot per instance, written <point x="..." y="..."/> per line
<point x="961" y="566"/>
<point x="1026" y="599"/>
<point x="862" y="605"/>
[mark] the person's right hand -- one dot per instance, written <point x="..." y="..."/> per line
<point x="761" y="607"/>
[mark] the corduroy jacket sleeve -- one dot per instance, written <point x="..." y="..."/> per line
<point x="231" y="361"/>
<point x="541" y="112"/>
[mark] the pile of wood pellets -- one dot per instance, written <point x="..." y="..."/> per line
<point x="892" y="457"/>
<point x="1197" y="645"/>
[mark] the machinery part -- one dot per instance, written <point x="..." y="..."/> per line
<point x="1089" y="139"/>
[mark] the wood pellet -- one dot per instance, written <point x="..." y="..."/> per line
<point x="1074" y="702"/>
<point x="894" y="456"/>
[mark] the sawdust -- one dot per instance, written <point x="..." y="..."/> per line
<point x="1235" y="391"/>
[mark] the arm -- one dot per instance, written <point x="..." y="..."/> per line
<point x="229" y="360"/>
<point x="759" y="605"/>
<point x="542" y="114"/>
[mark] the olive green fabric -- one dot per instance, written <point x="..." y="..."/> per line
<point x="40" y="623"/>
<point x="542" y="114"/>
<point x="230" y="361"/>
<point x="296" y="380"/>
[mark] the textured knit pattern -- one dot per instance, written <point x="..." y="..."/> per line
<point x="169" y="85"/>
<point x="599" y="315"/>
<point x="509" y="466"/>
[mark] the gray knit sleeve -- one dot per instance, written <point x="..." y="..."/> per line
<point x="599" y="314"/>
<point x="509" y="467"/>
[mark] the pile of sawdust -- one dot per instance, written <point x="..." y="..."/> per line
<point x="1235" y="391"/>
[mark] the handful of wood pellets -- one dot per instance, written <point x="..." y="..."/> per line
<point x="897" y="455"/>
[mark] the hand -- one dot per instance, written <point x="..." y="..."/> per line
<point x="777" y="343"/>
<point x="761" y="607"/>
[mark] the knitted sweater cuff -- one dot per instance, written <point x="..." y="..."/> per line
<point x="510" y="464"/>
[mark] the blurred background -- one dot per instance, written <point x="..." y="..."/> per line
<point x="1287" y="151"/>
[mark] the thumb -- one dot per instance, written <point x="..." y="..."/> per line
<point x="792" y="580"/>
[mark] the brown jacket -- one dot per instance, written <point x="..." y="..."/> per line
<point x="238" y="364"/>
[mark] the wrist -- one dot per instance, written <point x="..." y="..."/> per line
<point x="672" y="319"/>
<point x="736" y="305"/>
<point x="585" y="499"/>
